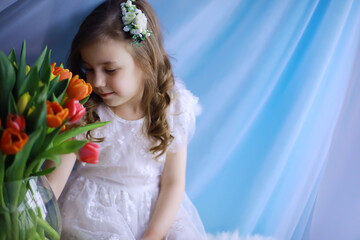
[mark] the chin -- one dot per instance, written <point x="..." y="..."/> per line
<point x="112" y="103"/>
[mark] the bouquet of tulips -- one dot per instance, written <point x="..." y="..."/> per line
<point x="37" y="103"/>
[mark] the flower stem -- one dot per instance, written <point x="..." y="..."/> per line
<point x="5" y="215"/>
<point x="50" y="232"/>
<point x="15" y="225"/>
<point x="37" y="236"/>
<point x="2" y="235"/>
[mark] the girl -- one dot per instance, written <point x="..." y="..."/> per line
<point x="136" y="191"/>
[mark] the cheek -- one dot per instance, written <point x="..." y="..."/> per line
<point x="89" y="78"/>
<point x="118" y="85"/>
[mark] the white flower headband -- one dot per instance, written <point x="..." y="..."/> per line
<point x="135" y="21"/>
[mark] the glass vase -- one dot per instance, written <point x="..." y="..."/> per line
<point x="29" y="210"/>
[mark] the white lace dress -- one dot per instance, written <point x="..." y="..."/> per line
<point x="114" y="198"/>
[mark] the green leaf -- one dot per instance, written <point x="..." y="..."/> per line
<point x="12" y="105"/>
<point x="53" y="83"/>
<point x="37" y="163"/>
<point x="56" y="159"/>
<point x="16" y="170"/>
<point x="31" y="82"/>
<point x="46" y="69"/>
<point x="40" y="60"/>
<point x="21" y="71"/>
<point x="46" y="142"/>
<point x="43" y="172"/>
<point x="58" y="89"/>
<point x="38" y="117"/>
<point x="63" y="148"/>
<point x="2" y="175"/>
<point x="12" y="56"/>
<point x="53" y="98"/>
<point x="76" y="131"/>
<point x="83" y="101"/>
<point x="7" y="83"/>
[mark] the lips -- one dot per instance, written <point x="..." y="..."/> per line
<point x="105" y="95"/>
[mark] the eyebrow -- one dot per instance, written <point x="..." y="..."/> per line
<point x="103" y="63"/>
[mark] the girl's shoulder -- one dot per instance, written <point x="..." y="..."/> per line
<point x="183" y="109"/>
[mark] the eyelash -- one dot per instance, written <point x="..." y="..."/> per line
<point x="106" y="70"/>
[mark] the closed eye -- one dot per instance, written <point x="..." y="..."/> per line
<point x="110" y="70"/>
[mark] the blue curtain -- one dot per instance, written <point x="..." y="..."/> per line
<point x="278" y="84"/>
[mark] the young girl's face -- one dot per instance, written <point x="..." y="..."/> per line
<point x="113" y="74"/>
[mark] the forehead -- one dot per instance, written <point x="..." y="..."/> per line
<point x="106" y="51"/>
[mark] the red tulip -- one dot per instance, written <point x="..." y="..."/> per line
<point x="12" y="141"/>
<point x="76" y="110"/>
<point x="89" y="153"/>
<point x="15" y="122"/>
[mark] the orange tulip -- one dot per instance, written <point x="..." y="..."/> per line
<point x="12" y="141"/>
<point x="78" y="89"/>
<point x="63" y="128"/>
<point x="56" y="114"/>
<point x="64" y="73"/>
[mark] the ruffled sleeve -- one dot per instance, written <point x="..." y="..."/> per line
<point x="184" y="108"/>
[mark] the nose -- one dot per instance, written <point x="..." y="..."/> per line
<point x="99" y="80"/>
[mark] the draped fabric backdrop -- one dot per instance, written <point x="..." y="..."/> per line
<point x="276" y="150"/>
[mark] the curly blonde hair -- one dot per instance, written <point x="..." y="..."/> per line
<point x="104" y="22"/>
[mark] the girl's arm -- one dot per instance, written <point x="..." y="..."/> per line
<point x="58" y="178"/>
<point x="171" y="193"/>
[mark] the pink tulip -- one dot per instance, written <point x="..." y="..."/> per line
<point x="15" y="122"/>
<point x="76" y="110"/>
<point x="89" y="153"/>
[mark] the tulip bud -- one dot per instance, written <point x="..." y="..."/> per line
<point x="31" y="110"/>
<point x="23" y="102"/>
<point x="52" y="71"/>
<point x="89" y="153"/>
<point x="27" y="69"/>
<point x="15" y="122"/>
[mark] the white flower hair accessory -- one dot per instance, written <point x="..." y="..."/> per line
<point x="135" y="21"/>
